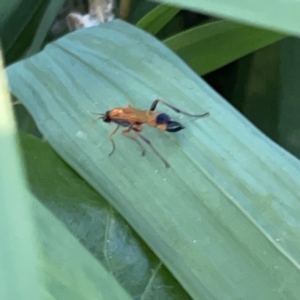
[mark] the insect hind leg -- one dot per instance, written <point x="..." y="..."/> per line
<point x="155" y="102"/>
<point x="154" y="150"/>
<point x="125" y="132"/>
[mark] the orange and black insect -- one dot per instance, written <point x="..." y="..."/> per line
<point x="133" y="119"/>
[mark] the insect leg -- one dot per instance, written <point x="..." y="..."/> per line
<point x="112" y="140"/>
<point x="152" y="147"/>
<point x="155" y="102"/>
<point x="125" y="132"/>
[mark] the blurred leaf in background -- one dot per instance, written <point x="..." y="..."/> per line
<point x="140" y="8"/>
<point x="209" y="47"/>
<point x="275" y="15"/>
<point x="25" y="26"/>
<point x="289" y="104"/>
<point x="157" y="18"/>
<point x="20" y="277"/>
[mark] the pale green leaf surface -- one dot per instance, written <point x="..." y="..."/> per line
<point x="96" y="224"/>
<point x="157" y="18"/>
<point x="271" y="14"/>
<point x="211" y="46"/>
<point x="224" y="217"/>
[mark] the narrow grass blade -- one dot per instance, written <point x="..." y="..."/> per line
<point x="157" y="18"/>
<point x="211" y="46"/>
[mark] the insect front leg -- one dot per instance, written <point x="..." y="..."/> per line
<point x="112" y="140"/>
<point x="125" y="132"/>
<point x="155" y="102"/>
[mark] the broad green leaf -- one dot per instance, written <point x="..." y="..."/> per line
<point x="211" y="46"/>
<point x="224" y="217"/>
<point x="18" y="250"/>
<point x="96" y="224"/>
<point x="157" y="18"/>
<point x="271" y="14"/>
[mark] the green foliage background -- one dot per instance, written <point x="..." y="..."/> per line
<point x="222" y="223"/>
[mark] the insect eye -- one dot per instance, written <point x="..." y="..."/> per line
<point x="106" y="117"/>
<point x="162" y="118"/>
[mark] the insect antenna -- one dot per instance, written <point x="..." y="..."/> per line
<point x="86" y="128"/>
<point x="100" y="116"/>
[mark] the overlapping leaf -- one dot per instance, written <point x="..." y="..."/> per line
<point x="208" y="47"/>
<point x="271" y="14"/>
